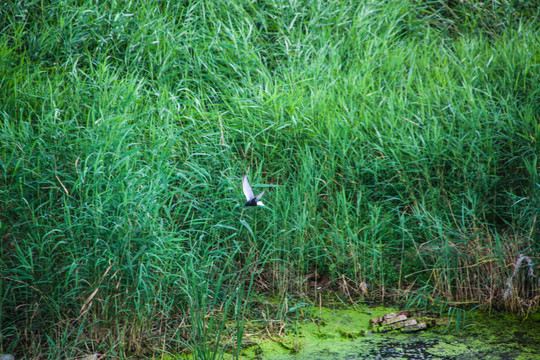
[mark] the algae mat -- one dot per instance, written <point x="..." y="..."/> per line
<point x="341" y="334"/>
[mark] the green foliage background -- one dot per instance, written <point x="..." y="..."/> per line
<point x="397" y="143"/>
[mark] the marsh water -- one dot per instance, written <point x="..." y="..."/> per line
<point x="344" y="334"/>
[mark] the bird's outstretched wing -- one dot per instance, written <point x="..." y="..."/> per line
<point x="247" y="189"/>
<point x="259" y="196"/>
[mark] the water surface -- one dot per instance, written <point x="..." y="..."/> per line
<point x="344" y="334"/>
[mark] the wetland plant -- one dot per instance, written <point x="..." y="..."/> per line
<point x="400" y="140"/>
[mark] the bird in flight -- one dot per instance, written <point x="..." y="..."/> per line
<point x="252" y="199"/>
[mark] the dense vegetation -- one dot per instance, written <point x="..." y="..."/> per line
<point x="397" y="143"/>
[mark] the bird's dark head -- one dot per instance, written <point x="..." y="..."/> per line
<point x="252" y="202"/>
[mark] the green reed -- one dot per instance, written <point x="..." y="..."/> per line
<point x="397" y="144"/>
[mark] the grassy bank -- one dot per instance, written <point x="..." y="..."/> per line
<point x="397" y="144"/>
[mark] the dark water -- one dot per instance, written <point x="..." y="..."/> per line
<point x="416" y="350"/>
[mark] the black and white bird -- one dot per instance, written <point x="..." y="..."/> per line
<point x="251" y="198"/>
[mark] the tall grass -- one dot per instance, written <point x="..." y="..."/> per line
<point x="397" y="143"/>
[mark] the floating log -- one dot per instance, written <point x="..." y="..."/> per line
<point x="394" y="319"/>
<point x="402" y="321"/>
<point x="414" y="328"/>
